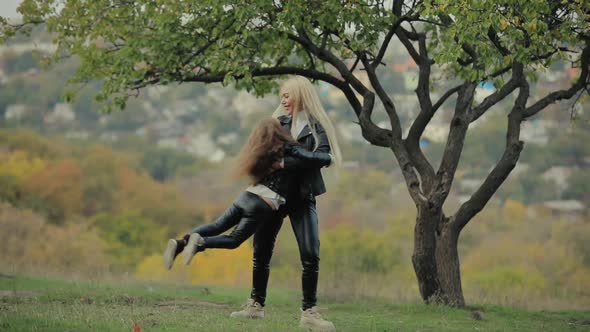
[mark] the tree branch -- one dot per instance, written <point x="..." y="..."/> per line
<point x="203" y="48"/>
<point x="272" y="71"/>
<point x="413" y="140"/>
<point x="580" y="84"/>
<point x="356" y="62"/>
<point x="330" y="58"/>
<point x="454" y="146"/>
<point x="20" y="26"/>
<point x="493" y="36"/>
<point x="499" y="72"/>
<point x="423" y="88"/>
<point x="370" y="131"/>
<point x="426" y="113"/>
<point x="409" y="172"/>
<point x="352" y="99"/>
<point x="447" y="21"/>
<point x="402" y="34"/>
<point x="387" y="40"/>
<point x="504" y="166"/>
<point x="396" y="7"/>
<point x="506" y="69"/>
<point x="387" y="102"/>
<point x="494" y="98"/>
<point x="444" y="97"/>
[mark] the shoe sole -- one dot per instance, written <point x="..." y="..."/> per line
<point x="191" y="248"/>
<point x="316" y="328"/>
<point x="168" y="255"/>
<point x="238" y="316"/>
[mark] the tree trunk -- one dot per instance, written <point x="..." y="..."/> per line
<point x="424" y="256"/>
<point x="448" y="267"/>
<point x="436" y="259"/>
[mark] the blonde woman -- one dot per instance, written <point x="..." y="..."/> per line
<point x="305" y="118"/>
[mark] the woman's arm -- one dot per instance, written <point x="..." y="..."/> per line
<point x="298" y="156"/>
<point x="309" y="159"/>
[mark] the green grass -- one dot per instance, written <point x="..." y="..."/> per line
<point x="50" y="304"/>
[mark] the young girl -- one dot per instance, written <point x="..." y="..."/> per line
<point x="260" y="159"/>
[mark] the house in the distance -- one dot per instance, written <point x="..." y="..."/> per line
<point x="572" y="210"/>
<point x="15" y="111"/>
<point x="558" y="175"/>
<point x="62" y="113"/>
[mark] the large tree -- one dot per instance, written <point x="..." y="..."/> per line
<point x="132" y="44"/>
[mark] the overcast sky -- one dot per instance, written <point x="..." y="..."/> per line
<point x="8" y="8"/>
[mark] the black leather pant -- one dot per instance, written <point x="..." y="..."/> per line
<point x="248" y="213"/>
<point x="304" y="222"/>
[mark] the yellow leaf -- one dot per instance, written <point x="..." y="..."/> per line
<point x="503" y="23"/>
<point x="532" y="26"/>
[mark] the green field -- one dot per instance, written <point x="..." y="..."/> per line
<point x="51" y="304"/>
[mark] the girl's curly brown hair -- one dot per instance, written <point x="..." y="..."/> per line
<point x="263" y="147"/>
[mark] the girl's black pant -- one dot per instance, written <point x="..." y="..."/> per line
<point x="247" y="213"/>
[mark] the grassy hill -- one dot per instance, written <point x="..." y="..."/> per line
<point x="52" y="304"/>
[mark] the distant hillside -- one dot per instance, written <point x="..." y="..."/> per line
<point x="210" y="122"/>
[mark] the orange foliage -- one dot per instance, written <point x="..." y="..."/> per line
<point x="100" y="164"/>
<point x="29" y="242"/>
<point x="60" y="183"/>
<point x="160" y="201"/>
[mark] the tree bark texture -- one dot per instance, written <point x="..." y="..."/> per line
<point x="436" y="258"/>
<point x="448" y="266"/>
<point x="424" y="258"/>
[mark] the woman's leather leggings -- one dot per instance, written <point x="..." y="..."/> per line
<point x="248" y="213"/>
<point x="304" y="221"/>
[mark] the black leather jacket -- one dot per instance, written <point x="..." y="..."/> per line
<point x="283" y="181"/>
<point x="308" y="176"/>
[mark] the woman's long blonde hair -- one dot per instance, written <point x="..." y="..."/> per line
<point x="263" y="147"/>
<point x="305" y="96"/>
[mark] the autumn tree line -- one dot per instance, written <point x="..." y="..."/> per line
<point x="94" y="210"/>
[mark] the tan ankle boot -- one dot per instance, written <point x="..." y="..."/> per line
<point x="173" y="248"/>
<point x="192" y="247"/>
<point x="312" y="319"/>
<point x="251" y="309"/>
